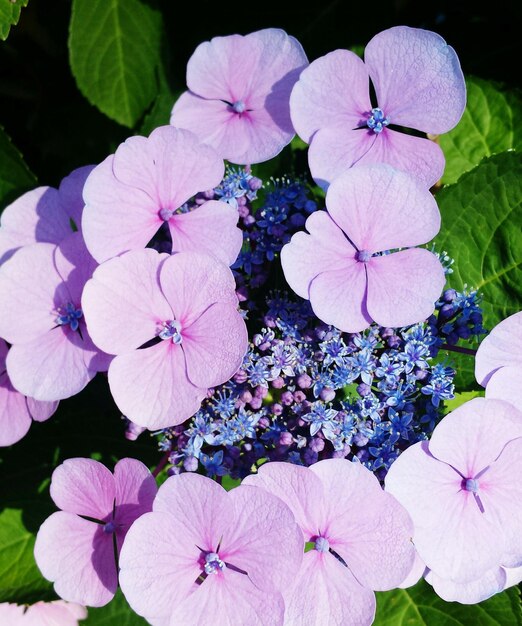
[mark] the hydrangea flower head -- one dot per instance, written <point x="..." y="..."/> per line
<point x="52" y="356"/>
<point x="418" y="84"/>
<point x="141" y="188"/>
<point x="185" y="305"/>
<point x="43" y="214"/>
<point x="337" y="265"/>
<point x="360" y="535"/>
<point x="204" y="553"/>
<point x="16" y="410"/>
<point x="463" y="492"/>
<point x="239" y="94"/>
<point x="75" y="547"/>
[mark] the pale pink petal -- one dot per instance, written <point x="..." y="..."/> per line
<point x="417" y="78"/>
<point x="116" y="217"/>
<point x="367" y="527"/>
<point x="191" y="282"/>
<point x="41" y="411"/>
<point x="51" y="367"/>
<point x="71" y="193"/>
<point x="15" y="419"/>
<point x="307" y="255"/>
<point x="491" y="582"/>
<point x="85" y="487"/>
<point x="204" y="520"/>
<point x="506" y="384"/>
<point x="261" y="538"/>
<point x="324" y="587"/>
<point x="334" y="149"/>
<point x="78" y="557"/>
<point x="122" y="303"/>
<point x="417" y="571"/>
<point x="74" y="264"/>
<point x="338" y="297"/>
<point x="12" y="614"/>
<point x="513" y="576"/>
<point x="503" y="346"/>
<point x="233" y="599"/>
<point x="380" y="208"/>
<point x="135" y="492"/>
<point x="404" y="286"/>
<point x="158" y="564"/>
<point x="452" y="536"/>
<point x="57" y="613"/>
<point x="170" y="166"/>
<point x="215" y="345"/>
<point x="334" y="90"/>
<point x="151" y="387"/>
<point x="299" y="488"/>
<point x="30" y="292"/>
<point x="472" y="436"/>
<point x="35" y="216"/>
<point x="421" y="158"/>
<point x="210" y="228"/>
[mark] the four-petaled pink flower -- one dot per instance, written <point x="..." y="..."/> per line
<point x="361" y="539"/>
<point x="418" y="84"/>
<point x="464" y="494"/>
<point x="139" y="189"/>
<point x="185" y="305"/>
<point x="43" y="214"/>
<point x="77" y="548"/>
<point x="52" y="356"/>
<point x="337" y="266"/>
<point x="239" y="94"/>
<point x="16" y="410"/>
<point x="498" y="364"/>
<point x="204" y="555"/>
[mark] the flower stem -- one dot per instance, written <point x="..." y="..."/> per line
<point x="163" y="461"/>
<point x="469" y="351"/>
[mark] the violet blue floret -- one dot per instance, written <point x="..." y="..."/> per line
<point x="173" y="324"/>
<point x="338" y="264"/>
<point x="52" y="356"/>
<point x="77" y="548"/>
<point x="203" y="553"/>
<point x="418" y="84"/>
<point x="361" y="539"/>
<point x="141" y="189"/>
<point x="239" y="92"/>
<point x="463" y="492"/>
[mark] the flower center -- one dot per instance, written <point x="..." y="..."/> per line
<point x="322" y="544"/>
<point x="109" y="528"/>
<point x="213" y="564"/>
<point x="171" y="330"/>
<point x="69" y="314"/>
<point x="377" y="121"/>
<point x="363" y="256"/>
<point x="165" y="214"/>
<point x="238" y="106"/>
<point x="470" y="484"/>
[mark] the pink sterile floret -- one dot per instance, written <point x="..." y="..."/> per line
<point x="337" y="265"/>
<point x="418" y="84"/>
<point x="16" y="410"/>
<point x="75" y="547"/>
<point x="239" y="94"/>
<point x="43" y="214"/>
<point x="182" y="311"/>
<point x="57" y="613"/>
<point x="140" y="188"/>
<point x="361" y="539"/>
<point x="204" y="555"/>
<point x="52" y="356"/>
<point x="498" y="364"/>
<point x="464" y="494"/>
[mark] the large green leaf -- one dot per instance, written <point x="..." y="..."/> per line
<point x="114" y="51"/>
<point x="9" y="15"/>
<point x="492" y="123"/>
<point x="15" y="177"/>
<point x="420" y="606"/>
<point x="116" y="613"/>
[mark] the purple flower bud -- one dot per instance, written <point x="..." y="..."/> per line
<point x="278" y="383"/>
<point x="310" y="457"/>
<point x="260" y="391"/>
<point x="360" y="440"/>
<point x="394" y="341"/>
<point x="243" y="211"/>
<point x="286" y="439"/>
<point x="264" y="422"/>
<point x="174" y="471"/>
<point x="245" y="396"/>
<point x="287" y="398"/>
<point x="209" y="194"/>
<point x="446" y="311"/>
<point x="256" y="403"/>
<point x="133" y="431"/>
<point x="255" y="183"/>
<point x="449" y="295"/>
<point x="299" y="396"/>
<point x="277" y="409"/>
<point x="240" y="376"/>
<point x="327" y="394"/>
<point x="317" y="444"/>
<point x="363" y="389"/>
<point x="190" y="464"/>
<point x="421" y="374"/>
<point x="304" y="381"/>
<point x="249" y="220"/>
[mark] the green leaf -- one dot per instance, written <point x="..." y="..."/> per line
<point x="15" y="176"/>
<point x="116" y="612"/>
<point x="114" y="51"/>
<point x="9" y="15"/>
<point x="420" y="606"/>
<point x="492" y="123"/>
<point x="482" y="231"/>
